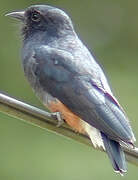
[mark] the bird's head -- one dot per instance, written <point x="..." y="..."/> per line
<point x="44" y="18"/>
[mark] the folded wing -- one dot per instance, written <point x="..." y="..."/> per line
<point x="87" y="96"/>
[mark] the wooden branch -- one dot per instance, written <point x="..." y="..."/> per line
<point x="43" y="119"/>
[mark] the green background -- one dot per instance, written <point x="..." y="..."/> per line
<point x="110" y="30"/>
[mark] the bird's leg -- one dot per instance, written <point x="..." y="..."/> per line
<point x="58" y="116"/>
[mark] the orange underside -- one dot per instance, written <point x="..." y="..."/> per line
<point x="72" y="120"/>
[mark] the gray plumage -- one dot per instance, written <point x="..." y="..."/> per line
<point x="57" y="64"/>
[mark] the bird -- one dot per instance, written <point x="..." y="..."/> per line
<point x="70" y="83"/>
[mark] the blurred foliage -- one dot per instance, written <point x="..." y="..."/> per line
<point x="110" y="30"/>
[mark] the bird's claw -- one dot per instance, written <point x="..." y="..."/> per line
<point x="58" y="116"/>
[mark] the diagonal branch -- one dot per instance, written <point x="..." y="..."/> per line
<point x="43" y="119"/>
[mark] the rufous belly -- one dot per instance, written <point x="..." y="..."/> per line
<point x="77" y="123"/>
<point x="70" y="118"/>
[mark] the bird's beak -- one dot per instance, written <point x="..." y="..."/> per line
<point x="18" y="15"/>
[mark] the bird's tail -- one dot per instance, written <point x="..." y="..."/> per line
<point x="115" y="154"/>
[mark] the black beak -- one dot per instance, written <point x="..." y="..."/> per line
<point x="18" y="15"/>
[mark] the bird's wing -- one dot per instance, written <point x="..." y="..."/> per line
<point x="84" y="95"/>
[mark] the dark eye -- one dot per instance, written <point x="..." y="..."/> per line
<point x="35" y="17"/>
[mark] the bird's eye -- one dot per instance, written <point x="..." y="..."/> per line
<point x="35" y="17"/>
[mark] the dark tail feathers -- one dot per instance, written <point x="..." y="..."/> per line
<point x="115" y="154"/>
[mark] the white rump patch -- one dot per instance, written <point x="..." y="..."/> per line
<point x="95" y="135"/>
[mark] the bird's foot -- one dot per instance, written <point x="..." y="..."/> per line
<point x="58" y="116"/>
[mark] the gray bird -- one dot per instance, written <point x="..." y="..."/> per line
<point x="68" y="80"/>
